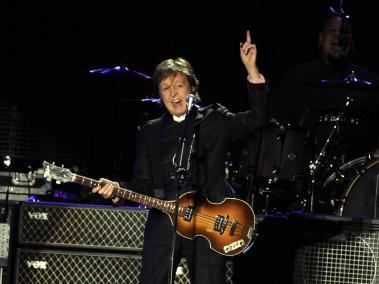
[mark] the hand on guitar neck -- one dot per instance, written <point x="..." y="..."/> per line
<point x="106" y="188"/>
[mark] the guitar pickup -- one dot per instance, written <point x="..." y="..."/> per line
<point x="188" y="213"/>
<point x="220" y="223"/>
<point x="233" y="227"/>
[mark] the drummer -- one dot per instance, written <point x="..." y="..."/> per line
<point x="312" y="95"/>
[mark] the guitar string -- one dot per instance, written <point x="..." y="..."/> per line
<point x="238" y="230"/>
<point x="209" y="218"/>
<point x="212" y="218"/>
<point x="239" y="227"/>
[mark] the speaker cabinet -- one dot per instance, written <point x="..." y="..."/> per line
<point x="36" y="266"/>
<point x="81" y="226"/>
<point x="338" y="250"/>
<point x="43" y="266"/>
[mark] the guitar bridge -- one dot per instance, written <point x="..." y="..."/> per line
<point x="220" y="223"/>
<point x="188" y="213"/>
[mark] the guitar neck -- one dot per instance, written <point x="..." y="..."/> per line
<point x="165" y="206"/>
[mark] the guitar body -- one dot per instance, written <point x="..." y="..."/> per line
<point x="228" y="226"/>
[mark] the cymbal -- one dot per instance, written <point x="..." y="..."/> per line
<point x="348" y="83"/>
<point x="151" y="100"/>
<point x="120" y="71"/>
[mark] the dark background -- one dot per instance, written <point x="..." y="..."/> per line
<point x="53" y="109"/>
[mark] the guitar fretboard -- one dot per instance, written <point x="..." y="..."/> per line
<point x="163" y="205"/>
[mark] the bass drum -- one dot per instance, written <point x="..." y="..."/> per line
<point x="354" y="188"/>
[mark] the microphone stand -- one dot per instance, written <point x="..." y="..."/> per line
<point x="180" y="179"/>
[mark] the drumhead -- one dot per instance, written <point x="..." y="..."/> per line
<point x="360" y="199"/>
<point x="332" y="194"/>
<point x="353" y="164"/>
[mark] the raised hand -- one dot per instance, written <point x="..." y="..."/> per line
<point x="248" y="53"/>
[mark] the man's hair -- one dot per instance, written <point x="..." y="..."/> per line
<point x="173" y="66"/>
<point x="335" y="11"/>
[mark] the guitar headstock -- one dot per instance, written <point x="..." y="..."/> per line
<point x="60" y="174"/>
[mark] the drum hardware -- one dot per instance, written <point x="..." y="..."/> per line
<point x="360" y="171"/>
<point x="339" y="175"/>
<point x="349" y="83"/>
<point x="270" y="167"/>
<point x="273" y="195"/>
<point x="313" y="166"/>
<point x="267" y="192"/>
<point x="340" y="188"/>
<point x="361" y="181"/>
<point x="279" y="166"/>
<point x="327" y="118"/>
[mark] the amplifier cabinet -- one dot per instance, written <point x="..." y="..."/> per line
<point x="337" y="250"/>
<point x="37" y="266"/>
<point x="81" y="226"/>
<point x="19" y="186"/>
<point x="43" y="266"/>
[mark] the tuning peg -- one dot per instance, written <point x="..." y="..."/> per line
<point x="58" y="182"/>
<point x="62" y="166"/>
<point x="48" y="178"/>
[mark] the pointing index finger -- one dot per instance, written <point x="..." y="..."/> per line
<point x="248" y="37"/>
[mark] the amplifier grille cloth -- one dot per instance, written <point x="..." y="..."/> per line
<point x="78" y="226"/>
<point x="351" y="257"/>
<point x="71" y="267"/>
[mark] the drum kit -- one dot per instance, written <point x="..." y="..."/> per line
<point x="289" y="173"/>
<point x="279" y="171"/>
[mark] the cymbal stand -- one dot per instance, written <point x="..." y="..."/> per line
<point x="314" y="165"/>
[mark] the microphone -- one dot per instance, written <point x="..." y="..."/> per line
<point x="190" y="99"/>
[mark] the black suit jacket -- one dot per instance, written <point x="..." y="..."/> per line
<point x="215" y="128"/>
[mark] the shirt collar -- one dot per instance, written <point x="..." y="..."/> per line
<point x="179" y="118"/>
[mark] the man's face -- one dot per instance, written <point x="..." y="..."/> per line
<point x="173" y="92"/>
<point x="336" y="38"/>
